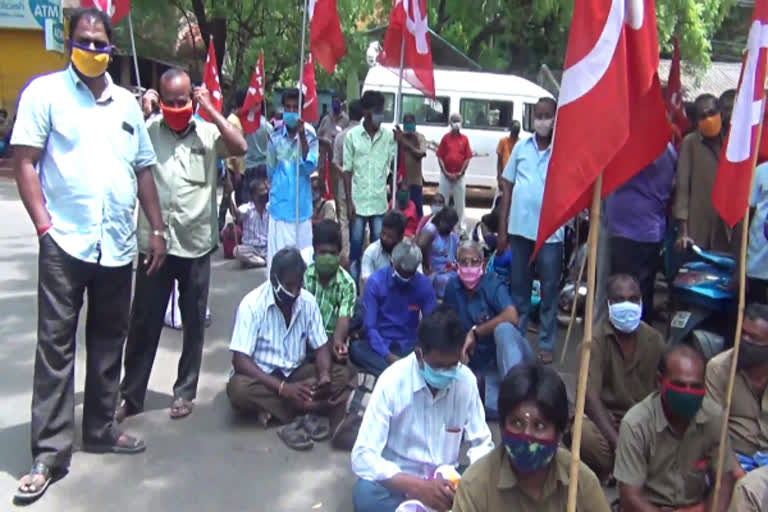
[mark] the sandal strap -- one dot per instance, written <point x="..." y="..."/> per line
<point x="40" y="468"/>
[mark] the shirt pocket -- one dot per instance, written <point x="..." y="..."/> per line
<point x="696" y="480"/>
<point x="450" y="445"/>
<point x="196" y="166"/>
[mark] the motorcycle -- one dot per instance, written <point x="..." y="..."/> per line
<point x="703" y="302"/>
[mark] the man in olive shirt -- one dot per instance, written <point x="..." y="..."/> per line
<point x="622" y="371"/>
<point x="186" y="177"/>
<point x="751" y="492"/>
<point x="668" y="444"/>
<point x="748" y="421"/>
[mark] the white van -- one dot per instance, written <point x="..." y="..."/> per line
<point x="487" y="102"/>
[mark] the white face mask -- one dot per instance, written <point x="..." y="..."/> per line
<point x="625" y="316"/>
<point x="456" y="126"/>
<point x="543" y="127"/>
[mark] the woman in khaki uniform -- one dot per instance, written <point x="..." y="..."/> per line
<point x="529" y="471"/>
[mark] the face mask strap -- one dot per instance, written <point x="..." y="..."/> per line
<point x="681" y="389"/>
<point x="87" y="48"/>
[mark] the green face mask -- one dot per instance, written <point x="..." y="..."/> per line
<point x="684" y="402"/>
<point x="327" y="264"/>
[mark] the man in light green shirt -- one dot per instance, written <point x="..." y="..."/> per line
<point x="368" y="152"/>
<point x="186" y="177"/>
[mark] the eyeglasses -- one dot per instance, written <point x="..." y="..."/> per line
<point x="470" y="262"/>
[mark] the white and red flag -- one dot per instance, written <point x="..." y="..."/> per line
<point x="326" y="40"/>
<point x="310" y="110"/>
<point x="116" y="9"/>
<point x="408" y="22"/>
<point x="730" y="193"/>
<point x="211" y="81"/>
<point x="611" y="118"/>
<point x="250" y="111"/>
<point x="674" y="96"/>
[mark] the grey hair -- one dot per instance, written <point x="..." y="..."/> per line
<point x="406" y="255"/>
<point x="470" y="244"/>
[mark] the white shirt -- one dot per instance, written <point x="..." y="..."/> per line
<point x="92" y="150"/>
<point x="406" y="429"/>
<point x="260" y="331"/>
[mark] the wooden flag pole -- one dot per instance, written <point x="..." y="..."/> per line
<point x="581" y="390"/>
<point x="573" y="309"/>
<point x="739" y="323"/>
<point x="395" y="120"/>
<point x="301" y="111"/>
<point x="135" y="56"/>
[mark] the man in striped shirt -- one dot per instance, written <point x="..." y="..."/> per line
<point x="272" y="376"/>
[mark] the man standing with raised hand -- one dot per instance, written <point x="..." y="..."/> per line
<point x="186" y="175"/>
<point x="81" y="156"/>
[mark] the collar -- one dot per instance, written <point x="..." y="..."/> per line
<point x="661" y="418"/>
<point x="106" y="96"/>
<point x="532" y="140"/>
<point x="270" y="301"/>
<point x="418" y="381"/>
<point x="508" y="479"/>
<point x="609" y="331"/>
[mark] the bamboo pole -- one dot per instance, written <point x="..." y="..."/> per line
<point x="581" y="390"/>
<point x="135" y="55"/>
<point x="739" y="323"/>
<point x="299" y="156"/>
<point x="396" y="119"/>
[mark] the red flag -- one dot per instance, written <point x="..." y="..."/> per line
<point x="730" y="193"/>
<point x="408" y="21"/>
<point x="250" y="112"/>
<point x="309" y="112"/>
<point x="610" y="79"/>
<point x="116" y="9"/>
<point x="326" y="40"/>
<point x="674" y="97"/>
<point x="211" y="82"/>
<point x="327" y="184"/>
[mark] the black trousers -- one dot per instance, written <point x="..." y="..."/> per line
<point x="639" y="259"/>
<point x="149" y="303"/>
<point x="757" y="290"/>
<point x="62" y="282"/>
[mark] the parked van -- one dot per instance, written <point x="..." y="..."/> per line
<point x="487" y="102"/>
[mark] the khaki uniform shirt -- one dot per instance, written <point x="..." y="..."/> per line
<point x="751" y="492"/>
<point x="490" y="485"/>
<point x="621" y="383"/>
<point x="672" y="471"/>
<point x="186" y="175"/>
<point x="748" y="421"/>
<point x="413" y="173"/>
<point x="696" y="170"/>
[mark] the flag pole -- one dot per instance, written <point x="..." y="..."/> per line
<point x="301" y="110"/>
<point x="398" y="107"/>
<point x="133" y="49"/>
<point x="739" y="323"/>
<point x="581" y="390"/>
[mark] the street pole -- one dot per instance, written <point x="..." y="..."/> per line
<point x="135" y="57"/>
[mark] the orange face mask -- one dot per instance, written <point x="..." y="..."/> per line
<point x="711" y="126"/>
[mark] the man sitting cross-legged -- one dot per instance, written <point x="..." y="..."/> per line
<point x="420" y="410"/>
<point x="272" y="377"/>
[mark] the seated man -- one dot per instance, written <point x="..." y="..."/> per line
<point x="622" y="371"/>
<point x="751" y="492"/>
<point x="485" y="309"/>
<point x="748" y="421"/>
<point x="420" y="410"/>
<point x="394" y="300"/>
<point x="668" y="443"/>
<point x="272" y="377"/>
<point x="379" y="254"/>
<point x="254" y="219"/>
<point x="332" y="286"/>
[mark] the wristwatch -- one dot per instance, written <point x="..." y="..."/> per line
<point x="159" y="233"/>
<point x="474" y="331"/>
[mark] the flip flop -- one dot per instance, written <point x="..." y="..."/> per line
<point x="23" y="497"/>
<point x="128" y="446"/>
<point x="181" y="408"/>
<point x="295" y="437"/>
<point x="317" y="427"/>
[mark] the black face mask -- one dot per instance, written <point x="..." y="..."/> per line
<point x="752" y="354"/>
<point x="387" y="248"/>
<point x="283" y="296"/>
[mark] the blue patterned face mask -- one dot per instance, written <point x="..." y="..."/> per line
<point x="528" y="454"/>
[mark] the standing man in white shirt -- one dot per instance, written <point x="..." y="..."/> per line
<point x="420" y="410"/>
<point x="81" y="156"/>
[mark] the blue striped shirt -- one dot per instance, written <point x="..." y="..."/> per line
<point x="281" y="168"/>
<point x="260" y="331"/>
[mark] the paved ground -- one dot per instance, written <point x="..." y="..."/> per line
<point x="209" y="461"/>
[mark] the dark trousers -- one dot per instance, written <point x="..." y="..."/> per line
<point x="417" y="196"/>
<point x="362" y="354"/>
<point x="62" y="281"/>
<point x="639" y="259"/>
<point x="149" y="303"/>
<point x="757" y="290"/>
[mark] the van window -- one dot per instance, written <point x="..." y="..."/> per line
<point x="389" y="107"/>
<point x="528" y="117"/>
<point x="426" y="110"/>
<point x="486" y="114"/>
